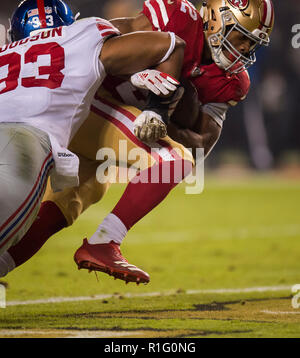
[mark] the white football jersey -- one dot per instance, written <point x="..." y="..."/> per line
<point x="48" y="80"/>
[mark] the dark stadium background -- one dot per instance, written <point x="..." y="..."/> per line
<point x="263" y="132"/>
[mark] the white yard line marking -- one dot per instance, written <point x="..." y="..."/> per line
<point x="148" y="294"/>
<point x="238" y="233"/>
<point x="280" y="312"/>
<point x="68" y="334"/>
<point x="242" y="290"/>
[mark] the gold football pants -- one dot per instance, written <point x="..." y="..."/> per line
<point x="109" y="125"/>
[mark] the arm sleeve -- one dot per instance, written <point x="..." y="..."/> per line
<point x="217" y="111"/>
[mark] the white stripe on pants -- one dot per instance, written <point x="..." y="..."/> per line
<point x="25" y="163"/>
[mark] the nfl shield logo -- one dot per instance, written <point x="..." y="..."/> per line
<point x="48" y="10"/>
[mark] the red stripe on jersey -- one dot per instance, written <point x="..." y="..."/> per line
<point x="42" y="13"/>
<point x="108" y="33"/>
<point x="104" y="27"/>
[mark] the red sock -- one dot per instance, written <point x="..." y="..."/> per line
<point x="140" y="198"/>
<point x="49" y="221"/>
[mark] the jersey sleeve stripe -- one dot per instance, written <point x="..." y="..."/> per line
<point x="104" y="26"/>
<point x="105" y="33"/>
<point x="154" y="17"/>
<point x="163" y="11"/>
<point x="106" y="29"/>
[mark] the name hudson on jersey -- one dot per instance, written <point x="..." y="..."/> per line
<point x="56" y="32"/>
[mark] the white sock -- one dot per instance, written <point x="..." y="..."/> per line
<point x="111" y="229"/>
<point x="7" y="264"/>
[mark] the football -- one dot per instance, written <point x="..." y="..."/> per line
<point x="187" y="109"/>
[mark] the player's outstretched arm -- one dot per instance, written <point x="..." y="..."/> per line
<point x="134" y="52"/>
<point x="131" y="24"/>
<point x="139" y="23"/>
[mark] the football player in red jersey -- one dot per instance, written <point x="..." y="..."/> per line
<point x="220" y="45"/>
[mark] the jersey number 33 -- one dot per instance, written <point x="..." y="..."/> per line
<point x="49" y="76"/>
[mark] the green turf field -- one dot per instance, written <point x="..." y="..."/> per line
<point x="222" y="264"/>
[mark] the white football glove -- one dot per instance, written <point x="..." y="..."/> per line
<point x="149" y="127"/>
<point x="157" y="82"/>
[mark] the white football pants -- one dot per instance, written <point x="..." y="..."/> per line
<point x="25" y="162"/>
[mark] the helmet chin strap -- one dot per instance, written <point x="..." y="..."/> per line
<point x="220" y="60"/>
<point x="224" y="61"/>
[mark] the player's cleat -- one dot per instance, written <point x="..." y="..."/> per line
<point x="107" y="258"/>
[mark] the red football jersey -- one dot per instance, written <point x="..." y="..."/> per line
<point x="211" y="82"/>
<point x="182" y="18"/>
<point x="214" y="85"/>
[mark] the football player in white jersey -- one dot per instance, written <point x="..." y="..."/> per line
<point x="49" y="74"/>
<point x="114" y="115"/>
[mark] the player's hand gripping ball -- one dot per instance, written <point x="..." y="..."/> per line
<point x="149" y="127"/>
